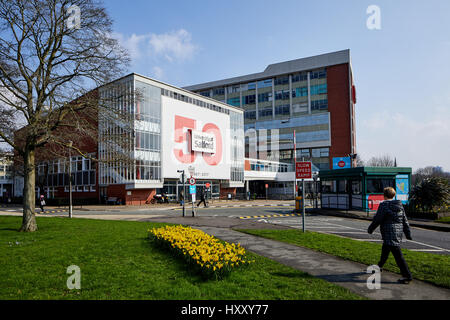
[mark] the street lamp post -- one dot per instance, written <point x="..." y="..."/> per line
<point x="70" y="179"/>
<point x="184" y="189"/>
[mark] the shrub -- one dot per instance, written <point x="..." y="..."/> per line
<point x="431" y="193"/>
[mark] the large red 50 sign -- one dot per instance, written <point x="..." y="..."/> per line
<point x="182" y="136"/>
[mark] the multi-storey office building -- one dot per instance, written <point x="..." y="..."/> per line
<point x="314" y="96"/>
<point x="174" y="129"/>
<point x="155" y="130"/>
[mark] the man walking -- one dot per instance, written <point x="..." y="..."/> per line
<point x="202" y="198"/>
<point x="393" y="223"/>
<point x="42" y="202"/>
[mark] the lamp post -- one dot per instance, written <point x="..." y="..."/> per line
<point x="70" y="179"/>
<point x="184" y="189"/>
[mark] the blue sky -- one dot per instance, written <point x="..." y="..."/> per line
<point x="402" y="71"/>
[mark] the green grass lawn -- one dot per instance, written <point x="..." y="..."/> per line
<point x="118" y="261"/>
<point x="429" y="267"/>
<point x="444" y="220"/>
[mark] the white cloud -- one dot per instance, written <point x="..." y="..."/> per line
<point x="415" y="140"/>
<point x="174" y="46"/>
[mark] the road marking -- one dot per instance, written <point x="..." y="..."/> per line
<point x="427" y="245"/>
<point x="348" y="232"/>
<point x="426" y="250"/>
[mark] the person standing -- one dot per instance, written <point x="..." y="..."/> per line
<point x="393" y="223"/>
<point x="42" y="202"/>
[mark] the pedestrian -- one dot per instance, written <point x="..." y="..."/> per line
<point x="42" y="202"/>
<point x="202" y="198"/>
<point x="181" y="197"/>
<point x="393" y="223"/>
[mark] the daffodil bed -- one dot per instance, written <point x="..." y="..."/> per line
<point x="213" y="257"/>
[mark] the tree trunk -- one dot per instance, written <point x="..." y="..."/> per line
<point x="29" y="220"/>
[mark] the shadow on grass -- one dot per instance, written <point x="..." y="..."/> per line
<point x="192" y="273"/>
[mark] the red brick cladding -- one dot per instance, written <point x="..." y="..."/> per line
<point x="339" y="108"/>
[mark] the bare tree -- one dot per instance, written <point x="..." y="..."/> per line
<point x="359" y="161"/>
<point x="381" y="161"/>
<point x="52" y="53"/>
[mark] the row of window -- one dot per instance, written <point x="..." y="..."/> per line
<point x="148" y="141"/>
<point x="268" y="112"/>
<point x="148" y="170"/>
<point x="279" y="95"/>
<point x="62" y="166"/>
<point x="319" y="104"/>
<point x="85" y="178"/>
<point x="375" y="185"/>
<point x="200" y="103"/>
<point x="306" y="153"/>
<point x="266" y="83"/>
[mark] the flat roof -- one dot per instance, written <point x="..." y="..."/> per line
<point x="358" y="171"/>
<point x="297" y="65"/>
<point x="179" y="90"/>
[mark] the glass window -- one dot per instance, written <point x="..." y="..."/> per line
<point x="377" y="185"/>
<point x="356" y="187"/>
<point x="282" y="95"/>
<point x="267" y="112"/>
<point x="234" y="101"/>
<point x="299" y="77"/>
<point x="342" y="186"/>
<point x="250" y="99"/>
<point x="328" y="186"/>
<point x="282" y="80"/>
<point x="264" y="97"/>
<point x="218" y="91"/>
<point x="264" y="83"/>
<point x="300" y="92"/>
<point x="282" y="110"/>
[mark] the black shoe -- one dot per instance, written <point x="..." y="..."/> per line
<point x="404" y="280"/>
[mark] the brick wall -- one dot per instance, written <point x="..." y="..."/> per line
<point x="339" y="108"/>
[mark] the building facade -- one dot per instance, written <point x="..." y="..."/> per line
<point x="148" y="133"/>
<point x="314" y="96"/>
<point x="173" y="130"/>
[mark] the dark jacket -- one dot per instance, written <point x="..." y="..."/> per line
<point x="393" y="223"/>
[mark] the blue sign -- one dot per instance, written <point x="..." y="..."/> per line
<point x="341" y="163"/>
<point x="192" y="189"/>
<point x="402" y="187"/>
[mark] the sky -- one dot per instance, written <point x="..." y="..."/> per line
<point x="401" y="69"/>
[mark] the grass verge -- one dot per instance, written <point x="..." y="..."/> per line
<point x="429" y="267"/>
<point x="118" y="261"/>
<point x="443" y="220"/>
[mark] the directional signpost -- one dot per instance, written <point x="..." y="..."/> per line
<point x="192" y="191"/>
<point x="303" y="170"/>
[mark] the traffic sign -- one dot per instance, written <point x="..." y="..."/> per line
<point x="192" y="189"/>
<point x="303" y="170"/>
<point x="207" y="185"/>
<point x="192" y="181"/>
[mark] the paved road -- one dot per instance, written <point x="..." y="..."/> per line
<point x="423" y="240"/>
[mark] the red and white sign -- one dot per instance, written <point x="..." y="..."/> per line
<point x="341" y="164"/>
<point x="303" y="170"/>
<point x="182" y="120"/>
<point x="192" y="181"/>
<point x="207" y="185"/>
